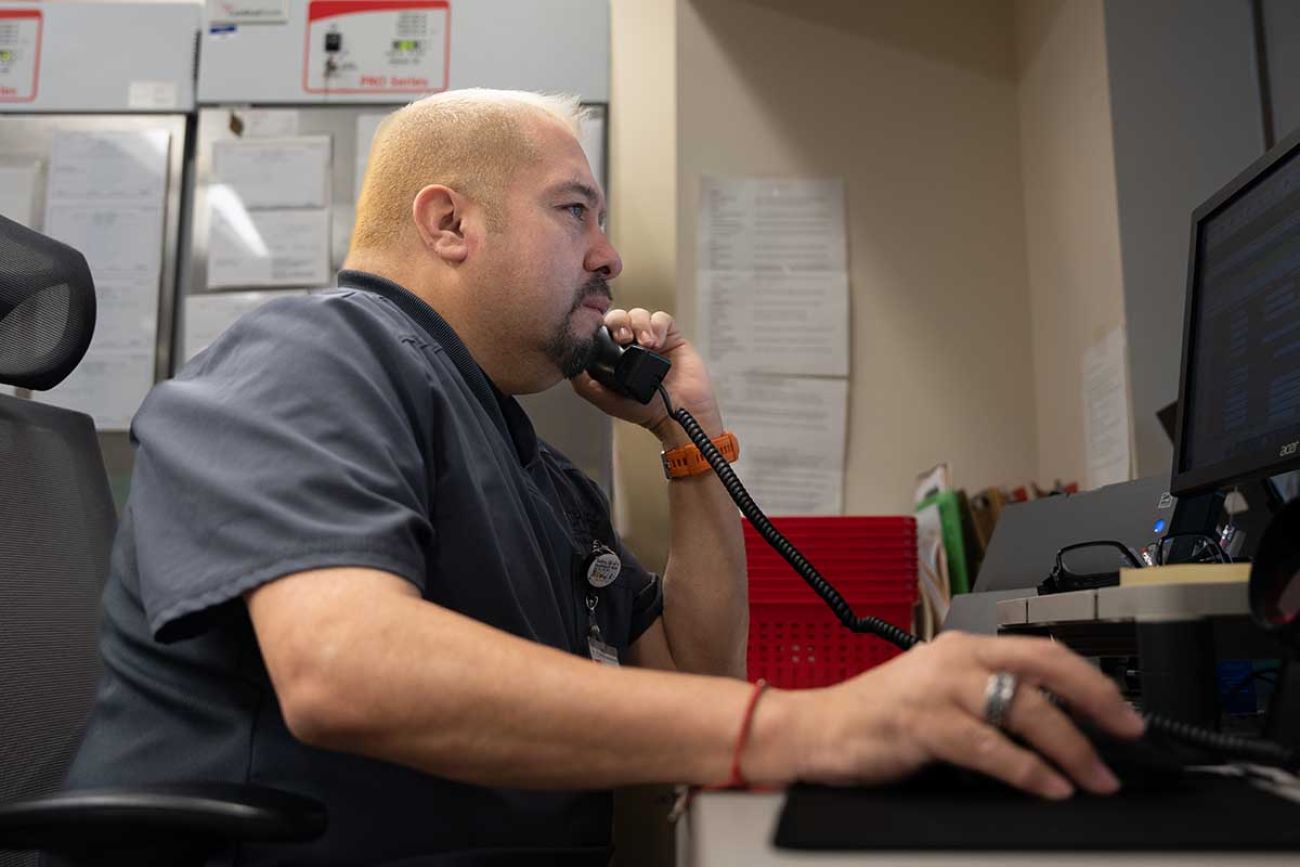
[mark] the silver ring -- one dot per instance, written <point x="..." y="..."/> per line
<point x="999" y="693"/>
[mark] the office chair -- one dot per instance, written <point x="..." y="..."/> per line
<point x="56" y="527"/>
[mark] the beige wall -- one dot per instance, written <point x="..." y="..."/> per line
<point x="914" y="105"/>
<point x="1071" y="212"/>
<point x="975" y="141"/>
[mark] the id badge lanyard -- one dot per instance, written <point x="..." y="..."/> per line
<point x="603" y="566"/>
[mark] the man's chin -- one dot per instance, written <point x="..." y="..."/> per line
<point x="577" y="356"/>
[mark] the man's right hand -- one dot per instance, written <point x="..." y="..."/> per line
<point x="928" y="705"/>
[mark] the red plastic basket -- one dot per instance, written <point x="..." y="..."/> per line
<point x="795" y="640"/>
<point x="802" y="645"/>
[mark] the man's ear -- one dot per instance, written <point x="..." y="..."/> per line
<point x="440" y="218"/>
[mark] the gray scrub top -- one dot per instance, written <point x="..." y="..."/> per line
<point x="350" y="428"/>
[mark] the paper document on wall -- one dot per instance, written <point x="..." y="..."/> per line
<point x="593" y="142"/>
<point x="367" y="126"/>
<point x="247" y="11"/>
<point x="108" y="385"/>
<point x="275" y="172"/>
<point x="793" y="323"/>
<point x="768" y="224"/>
<point x="18" y="192"/>
<point x="1107" y="430"/>
<point x="106" y="197"/>
<point x="110" y="166"/>
<point x="209" y="314"/>
<point x="773" y="314"/>
<point x="791" y="432"/>
<point x="149" y="95"/>
<point x="268" y="248"/>
<point x="773" y="285"/>
<point x="266" y="122"/>
<point x="119" y="243"/>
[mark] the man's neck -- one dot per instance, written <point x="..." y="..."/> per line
<point x="499" y="360"/>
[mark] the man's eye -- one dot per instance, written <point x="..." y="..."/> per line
<point x="578" y="211"/>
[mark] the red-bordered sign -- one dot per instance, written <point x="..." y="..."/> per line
<point x="319" y="10"/>
<point x="8" y="94"/>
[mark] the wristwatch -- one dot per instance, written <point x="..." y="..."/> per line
<point x="686" y="460"/>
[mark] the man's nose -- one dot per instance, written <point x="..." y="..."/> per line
<point x="603" y="258"/>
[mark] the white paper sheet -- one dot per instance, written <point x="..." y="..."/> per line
<point x="269" y="122"/>
<point x="18" y="192"/>
<point x="791" y="432"/>
<point x="209" y="314"/>
<point x="109" y="385"/>
<point x="794" y="323"/>
<point x="773" y="289"/>
<point x="152" y="95"/>
<point x="932" y="570"/>
<point x="275" y="173"/>
<point x="268" y="248"/>
<point x="106" y="198"/>
<point x="248" y="11"/>
<point x="120" y="241"/>
<point x="593" y="143"/>
<point x="772" y="225"/>
<point x="127" y="166"/>
<point x="367" y="124"/>
<point x="1107" y="430"/>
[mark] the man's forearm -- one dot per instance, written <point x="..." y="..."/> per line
<point x="706" y="602"/>
<point x="396" y="678"/>
<point x="361" y="664"/>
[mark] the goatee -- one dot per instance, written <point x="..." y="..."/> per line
<point x="572" y="353"/>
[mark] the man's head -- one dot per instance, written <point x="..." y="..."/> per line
<point x="483" y="202"/>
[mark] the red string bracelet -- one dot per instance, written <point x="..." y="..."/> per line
<point x="737" y="779"/>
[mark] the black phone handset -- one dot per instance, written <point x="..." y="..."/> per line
<point x="632" y="371"/>
<point x="638" y="373"/>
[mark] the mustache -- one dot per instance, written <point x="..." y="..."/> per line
<point x="597" y="285"/>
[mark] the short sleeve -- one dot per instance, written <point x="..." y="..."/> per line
<point x="647" y="593"/>
<point x="294" y="442"/>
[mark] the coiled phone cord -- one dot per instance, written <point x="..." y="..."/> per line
<point x="1260" y="751"/>
<point x="773" y="537"/>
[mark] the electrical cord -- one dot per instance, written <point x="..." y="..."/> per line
<point x="1258" y="751"/>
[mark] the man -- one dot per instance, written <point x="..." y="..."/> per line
<point x="348" y="567"/>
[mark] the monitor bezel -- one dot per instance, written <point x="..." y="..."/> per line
<point x="1246" y="467"/>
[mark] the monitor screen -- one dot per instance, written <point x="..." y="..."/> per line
<point x="1240" y="393"/>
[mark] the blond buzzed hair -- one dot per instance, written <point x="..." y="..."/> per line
<point x="472" y="141"/>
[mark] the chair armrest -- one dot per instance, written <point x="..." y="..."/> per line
<point x="189" y="818"/>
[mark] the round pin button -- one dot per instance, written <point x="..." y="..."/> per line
<point x="603" y="567"/>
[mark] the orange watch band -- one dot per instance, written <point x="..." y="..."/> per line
<point x="686" y="460"/>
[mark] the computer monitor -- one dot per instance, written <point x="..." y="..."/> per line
<point x="1239" y="393"/>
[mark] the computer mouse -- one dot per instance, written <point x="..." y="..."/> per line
<point x="1150" y="763"/>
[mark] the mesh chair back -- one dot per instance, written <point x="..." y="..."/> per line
<point x="56" y="529"/>
<point x="47" y="308"/>
<point x="56" y="520"/>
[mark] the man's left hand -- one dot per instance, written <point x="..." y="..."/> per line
<point x="687" y="383"/>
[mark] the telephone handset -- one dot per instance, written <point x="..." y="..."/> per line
<point x="632" y="371"/>
<point x="638" y="373"/>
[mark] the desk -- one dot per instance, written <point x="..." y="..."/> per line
<point x="733" y="829"/>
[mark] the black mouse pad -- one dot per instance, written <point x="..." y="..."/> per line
<point x="1201" y="812"/>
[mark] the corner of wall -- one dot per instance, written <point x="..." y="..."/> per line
<point x="643" y="226"/>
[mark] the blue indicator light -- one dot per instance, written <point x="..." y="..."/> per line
<point x="1159" y="527"/>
